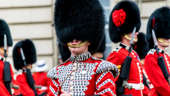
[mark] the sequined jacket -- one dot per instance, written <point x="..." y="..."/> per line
<point x="154" y="72"/>
<point x="117" y="57"/>
<point x="83" y="75"/>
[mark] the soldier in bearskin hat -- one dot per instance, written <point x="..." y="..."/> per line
<point x="5" y="67"/>
<point x="97" y="47"/>
<point x="157" y="61"/>
<point x="124" y="25"/>
<point x="79" y="23"/>
<point x="97" y="52"/>
<point x="24" y="55"/>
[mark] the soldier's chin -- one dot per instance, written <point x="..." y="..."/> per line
<point x="129" y="38"/>
<point x="165" y="45"/>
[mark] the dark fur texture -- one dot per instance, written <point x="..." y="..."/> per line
<point x="29" y="52"/>
<point x="80" y="20"/>
<point x="4" y="29"/>
<point x="161" y="26"/>
<point x="132" y="20"/>
<point x="142" y="46"/>
<point x="64" y="52"/>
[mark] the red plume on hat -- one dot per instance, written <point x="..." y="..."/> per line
<point x="118" y="17"/>
<point x="123" y="18"/>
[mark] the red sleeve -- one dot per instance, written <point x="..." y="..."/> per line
<point x="156" y="76"/>
<point x="145" y="91"/>
<point x="3" y="89"/>
<point x="113" y="58"/>
<point x="105" y="84"/>
<point x="46" y="80"/>
<point x="24" y="87"/>
<point x="117" y="58"/>
<point x="53" y="87"/>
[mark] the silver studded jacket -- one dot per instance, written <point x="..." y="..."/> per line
<point x="83" y="75"/>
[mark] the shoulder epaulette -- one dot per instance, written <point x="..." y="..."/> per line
<point x="19" y="72"/>
<point x="117" y="49"/>
<point x="105" y="66"/>
<point x="152" y="51"/>
<point x="52" y="73"/>
<point x="94" y="58"/>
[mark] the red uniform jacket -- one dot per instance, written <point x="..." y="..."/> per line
<point x="83" y="76"/>
<point x="23" y="85"/>
<point x="117" y="57"/>
<point x="15" y="89"/>
<point x="3" y="90"/>
<point x="41" y="80"/>
<point x="149" y="89"/>
<point x="155" y="74"/>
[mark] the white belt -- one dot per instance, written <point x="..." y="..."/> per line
<point x="137" y="86"/>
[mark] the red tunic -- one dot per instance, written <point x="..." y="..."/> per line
<point x="15" y="89"/>
<point x="3" y="90"/>
<point x="117" y="57"/>
<point x="41" y="80"/>
<point x="87" y="76"/>
<point x="155" y="74"/>
<point x="150" y="89"/>
<point x="23" y="85"/>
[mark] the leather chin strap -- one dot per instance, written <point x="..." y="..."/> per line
<point x="165" y="43"/>
<point x="129" y="38"/>
<point x="77" y="45"/>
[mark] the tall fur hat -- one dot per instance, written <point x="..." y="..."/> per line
<point x="123" y="18"/>
<point x="64" y="51"/>
<point x="79" y="19"/>
<point x="29" y="53"/>
<point x="4" y="29"/>
<point x="159" y="21"/>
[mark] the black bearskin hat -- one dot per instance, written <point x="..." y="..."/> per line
<point x="159" y="21"/>
<point x="4" y="29"/>
<point x="81" y="20"/>
<point x="123" y="18"/>
<point x="29" y="53"/>
<point x="64" y="51"/>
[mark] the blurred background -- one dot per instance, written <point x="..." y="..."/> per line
<point x="33" y="19"/>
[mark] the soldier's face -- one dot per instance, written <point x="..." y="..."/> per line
<point x="2" y="51"/>
<point x="129" y="37"/>
<point x="77" y="47"/>
<point x="29" y="66"/>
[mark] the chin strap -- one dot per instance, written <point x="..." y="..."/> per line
<point x="164" y="42"/>
<point x="77" y="45"/>
<point x="130" y="38"/>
